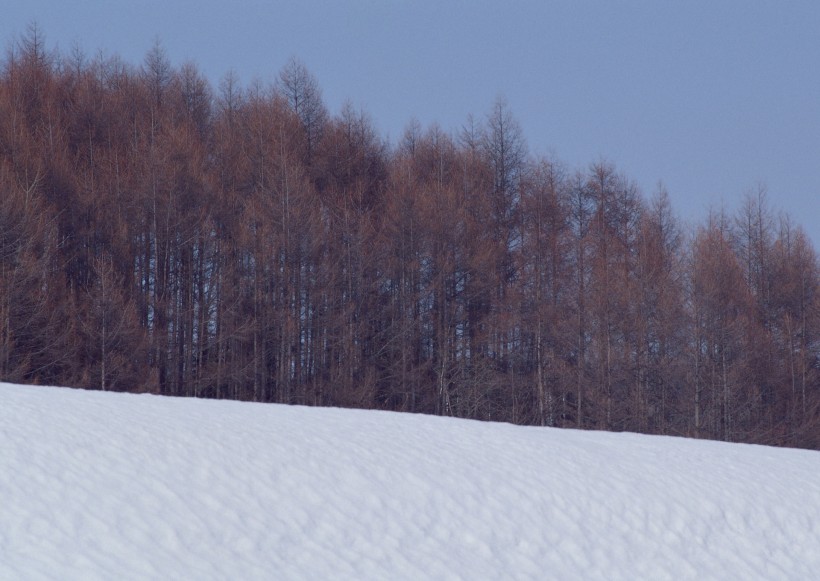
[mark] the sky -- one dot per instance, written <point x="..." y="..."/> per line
<point x="715" y="99"/>
<point x="101" y="485"/>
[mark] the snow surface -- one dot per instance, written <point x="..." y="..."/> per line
<point x="112" y="486"/>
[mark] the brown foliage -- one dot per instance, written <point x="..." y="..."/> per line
<point x="158" y="236"/>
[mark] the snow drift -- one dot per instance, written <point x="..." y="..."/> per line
<point x="111" y="486"/>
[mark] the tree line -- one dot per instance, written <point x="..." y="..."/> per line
<point x="161" y="235"/>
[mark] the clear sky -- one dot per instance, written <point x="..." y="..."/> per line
<point x="714" y="98"/>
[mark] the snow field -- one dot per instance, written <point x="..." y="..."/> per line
<point x="114" y="486"/>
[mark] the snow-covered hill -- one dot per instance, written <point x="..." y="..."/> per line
<point x="110" y="486"/>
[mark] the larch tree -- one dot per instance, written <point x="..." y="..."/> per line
<point x="244" y="243"/>
<point x="545" y="279"/>
<point x="304" y="96"/>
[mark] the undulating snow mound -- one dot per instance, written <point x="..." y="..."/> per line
<point x="110" y="486"/>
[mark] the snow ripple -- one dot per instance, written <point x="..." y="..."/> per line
<point x="111" y="486"/>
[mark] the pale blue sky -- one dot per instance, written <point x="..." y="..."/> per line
<point x="711" y="97"/>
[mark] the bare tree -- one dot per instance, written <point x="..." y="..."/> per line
<point x="302" y="92"/>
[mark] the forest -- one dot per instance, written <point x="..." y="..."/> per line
<point x="162" y="235"/>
